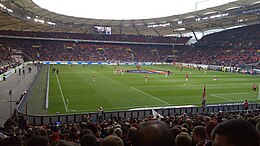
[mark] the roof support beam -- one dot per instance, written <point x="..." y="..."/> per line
<point x="48" y="28"/>
<point x="30" y="26"/>
<point x="4" y="18"/>
<point x="98" y="22"/>
<point x="194" y="34"/>
<point x="135" y="28"/>
<point x="240" y="5"/>
<point x="174" y="31"/>
<point x="157" y="32"/>
<point x="11" y="24"/>
<point x="120" y="32"/>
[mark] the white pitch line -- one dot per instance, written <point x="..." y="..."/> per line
<point x="119" y="108"/>
<point x="154" y="106"/>
<point x="233" y="93"/>
<point x="258" y="97"/>
<point x="72" y="110"/>
<point x="151" y="96"/>
<point x="66" y="108"/>
<point x="220" y="97"/>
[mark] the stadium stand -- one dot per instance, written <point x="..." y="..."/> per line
<point x="100" y="37"/>
<point x="6" y="61"/>
<point x="168" y="130"/>
<point x="225" y="51"/>
<point x="233" y="47"/>
<point x="241" y="37"/>
<point x="68" y="51"/>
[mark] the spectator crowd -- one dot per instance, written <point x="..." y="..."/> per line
<point x="214" y="129"/>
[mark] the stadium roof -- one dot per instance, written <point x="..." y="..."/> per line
<point x="27" y="16"/>
<point x="126" y="9"/>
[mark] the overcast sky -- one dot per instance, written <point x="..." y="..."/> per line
<point x="126" y="9"/>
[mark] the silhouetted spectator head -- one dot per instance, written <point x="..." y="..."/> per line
<point x="130" y="133"/>
<point x="153" y="133"/>
<point x="258" y="127"/>
<point x="175" y="131"/>
<point x="93" y="128"/>
<point x="235" y="133"/>
<point x="74" y="137"/>
<point x="112" y="141"/>
<point x="9" y="124"/>
<point x="199" y="135"/>
<point x="38" y="140"/>
<point x="209" y="127"/>
<point x="63" y="143"/>
<point x="183" y="139"/>
<point x="12" y="141"/>
<point x="88" y="140"/>
<point x="118" y="132"/>
<point x="84" y="132"/>
<point x="2" y="137"/>
<point x="54" y="137"/>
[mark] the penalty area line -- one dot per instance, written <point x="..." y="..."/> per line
<point x="220" y="97"/>
<point x="71" y="110"/>
<point x="234" y="93"/>
<point x="151" y="96"/>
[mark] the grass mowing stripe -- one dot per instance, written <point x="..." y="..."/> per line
<point x="151" y="95"/>
<point x="66" y="108"/>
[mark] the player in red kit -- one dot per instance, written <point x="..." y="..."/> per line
<point x="254" y="87"/>
<point x="94" y="77"/>
<point x="187" y="77"/>
<point x="122" y="71"/>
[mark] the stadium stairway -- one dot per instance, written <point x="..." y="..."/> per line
<point x="17" y="83"/>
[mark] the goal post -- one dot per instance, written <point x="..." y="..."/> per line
<point x="258" y="97"/>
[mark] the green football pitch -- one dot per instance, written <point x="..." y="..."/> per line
<point x="74" y="91"/>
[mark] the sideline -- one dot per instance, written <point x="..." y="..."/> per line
<point x="65" y="105"/>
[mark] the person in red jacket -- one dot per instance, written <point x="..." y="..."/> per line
<point x="246" y="105"/>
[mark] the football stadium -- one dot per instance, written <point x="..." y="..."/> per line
<point x="185" y="77"/>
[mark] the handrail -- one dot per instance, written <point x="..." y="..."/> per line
<point x="79" y="117"/>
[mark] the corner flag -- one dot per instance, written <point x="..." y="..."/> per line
<point x="156" y="115"/>
<point x="204" y="99"/>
